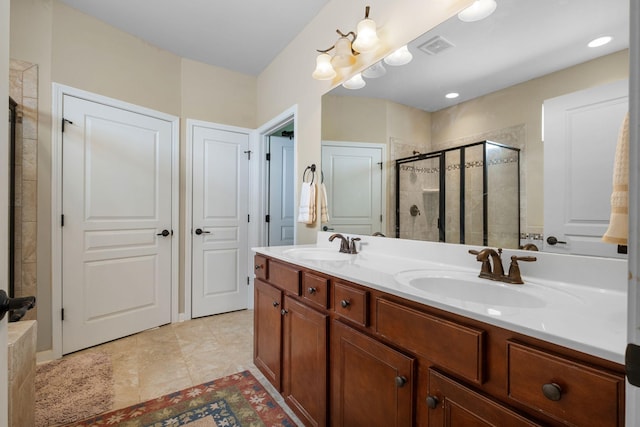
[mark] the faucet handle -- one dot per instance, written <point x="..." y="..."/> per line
<point x="352" y="246"/>
<point x="514" y="269"/>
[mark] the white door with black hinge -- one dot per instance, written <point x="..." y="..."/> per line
<point x="281" y="190"/>
<point x="220" y="216"/>
<point x="117" y="222"/>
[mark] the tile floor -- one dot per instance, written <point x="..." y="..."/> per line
<point x="176" y="356"/>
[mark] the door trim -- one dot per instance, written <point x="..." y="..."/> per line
<point x="262" y="171"/>
<point x="56" y="198"/>
<point x="188" y="206"/>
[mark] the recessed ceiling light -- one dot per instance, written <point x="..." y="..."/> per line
<point x="479" y="10"/>
<point x="452" y="95"/>
<point x="600" y="41"/>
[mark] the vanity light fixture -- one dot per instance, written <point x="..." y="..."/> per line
<point x="346" y="48"/>
<point x="452" y="95"/>
<point x="400" y="56"/>
<point x="479" y="10"/>
<point x="600" y="41"/>
<point x="355" y="82"/>
<point x="375" y="71"/>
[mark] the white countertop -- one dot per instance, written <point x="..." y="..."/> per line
<point x="577" y="302"/>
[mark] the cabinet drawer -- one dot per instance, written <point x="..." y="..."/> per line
<point x="285" y="277"/>
<point x="583" y="395"/>
<point x="451" y="346"/>
<point x="315" y="289"/>
<point x="351" y="303"/>
<point x="261" y="267"/>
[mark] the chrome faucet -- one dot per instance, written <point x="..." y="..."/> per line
<point x="346" y="246"/>
<point x="492" y="266"/>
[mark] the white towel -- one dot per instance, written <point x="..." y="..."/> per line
<point x="307" y="209"/>
<point x="324" y="210"/>
<point x="618" y="230"/>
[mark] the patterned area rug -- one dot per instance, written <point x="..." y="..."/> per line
<point x="236" y="400"/>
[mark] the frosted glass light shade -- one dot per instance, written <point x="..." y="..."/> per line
<point x="401" y="56"/>
<point x="343" y="56"/>
<point x="367" y="37"/>
<point x="324" y="70"/>
<point x="355" y="82"/>
<point x="375" y="71"/>
<point x="479" y="10"/>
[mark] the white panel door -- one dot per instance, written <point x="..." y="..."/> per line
<point x="581" y="132"/>
<point x="353" y="178"/>
<point x="116" y="264"/>
<point x="220" y="221"/>
<point x="281" y="193"/>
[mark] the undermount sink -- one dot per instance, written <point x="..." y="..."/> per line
<point x="317" y="254"/>
<point x="468" y="288"/>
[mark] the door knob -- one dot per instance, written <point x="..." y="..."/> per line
<point x="18" y="305"/>
<point x="200" y="231"/>
<point x="553" y="240"/>
<point x="163" y="233"/>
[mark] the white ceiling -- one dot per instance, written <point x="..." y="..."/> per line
<point x="522" y="40"/>
<point x="239" y="35"/>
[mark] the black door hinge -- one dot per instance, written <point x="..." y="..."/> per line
<point x="248" y="153"/>
<point x="62" y="313"/>
<point x="267" y="218"/>
<point x="268" y="157"/>
<point x="248" y="218"/>
<point x="247" y="280"/>
<point x="62" y="220"/>
<point x="632" y="364"/>
<point x="65" y="121"/>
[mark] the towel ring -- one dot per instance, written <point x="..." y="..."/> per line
<point x="311" y="168"/>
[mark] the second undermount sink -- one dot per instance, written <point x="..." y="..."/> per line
<point x="463" y="287"/>
<point x="317" y="254"/>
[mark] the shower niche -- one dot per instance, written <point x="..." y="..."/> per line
<point x="468" y="194"/>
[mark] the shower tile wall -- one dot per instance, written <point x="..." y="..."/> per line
<point x="23" y="88"/>
<point x="419" y="187"/>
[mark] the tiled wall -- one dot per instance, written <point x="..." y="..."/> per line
<point x="23" y="88"/>
<point x="21" y="351"/>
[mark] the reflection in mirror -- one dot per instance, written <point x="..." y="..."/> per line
<point x="504" y="69"/>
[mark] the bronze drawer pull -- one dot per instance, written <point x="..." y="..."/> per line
<point x="276" y="303"/>
<point x="432" y="402"/>
<point x="401" y="381"/>
<point x="345" y="303"/>
<point x="312" y="290"/>
<point x="552" y="391"/>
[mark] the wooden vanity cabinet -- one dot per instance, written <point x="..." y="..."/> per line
<point x="348" y="355"/>
<point x="452" y="404"/>
<point x="290" y="339"/>
<point x="371" y="383"/>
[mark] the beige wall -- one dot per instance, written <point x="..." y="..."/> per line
<point x="74" y="49"/>
<point x="522" y="104"/>
<point x="4" y="200"/>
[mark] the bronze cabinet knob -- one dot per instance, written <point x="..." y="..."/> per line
<point x="276" y="303"/>
<point x="552" y="391"/>
<point x="432" y="402"/>
<point x="345" y="303"/>
<point x="312" y="290"/>
<point x="401" y="381"/>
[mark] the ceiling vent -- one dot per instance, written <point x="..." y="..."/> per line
<point x="435" y="45"/>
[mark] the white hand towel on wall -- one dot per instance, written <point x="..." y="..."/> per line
<point x="307" y="210"/>
<point x="618" y="230"/>
<point x="324" y="209"/>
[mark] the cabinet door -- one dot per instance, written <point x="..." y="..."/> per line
<point x="371" y="383"/>
<point x="267" y="332"/>
<point x="304" y="373"/>
<point x="452" y="404"/>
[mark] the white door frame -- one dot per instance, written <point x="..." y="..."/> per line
<point x="188" y="209"/>
<point x="262" y="173"/>
<point x="56" y="199"/>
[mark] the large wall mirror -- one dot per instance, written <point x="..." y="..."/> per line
<point x="508" y="69"/>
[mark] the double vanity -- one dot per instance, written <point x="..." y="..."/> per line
<point x="405" y="333"/>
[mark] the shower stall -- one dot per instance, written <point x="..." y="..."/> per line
<point x="468" y="194"/>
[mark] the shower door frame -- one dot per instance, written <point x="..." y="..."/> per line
<point x="442" y="181"/>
